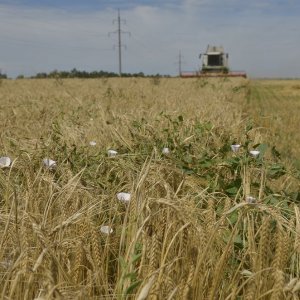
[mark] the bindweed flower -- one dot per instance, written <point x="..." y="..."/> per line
<point x="6" y="264"/>
<point x="5" y="162"/>
<point x="106" y="229"/>
<point x="112" y="153"/>
<point x="251" y="200"/>
<point x="235" y="147"/>
<point x="93" y="143"/>
<point x="165" y="151"/>
<point x="124" y="197"/>
<point x="254" y="153"/>
<point x="49" y="163"/>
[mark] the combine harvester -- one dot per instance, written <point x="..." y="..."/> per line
<point x="214" y="64"/>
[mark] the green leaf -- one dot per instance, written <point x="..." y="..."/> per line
<point x="262" y="148"/>
<point x="208" y="126"/>
<point x="188" y="159"/>
<point x="238" y="240"/>
<point x="249" y="126"/>
<point x="233" y="217"/>
<point x="272" y="200"/>
<point x="276" y="171"/>
<point x="135" y="257"/>
<point x="295" y="196"/>
<point x="138" y="247"/>
<point x="132" y="287"/>
<point x="131" y="275"/>
<point x="187" y="170"/>
<point x="233" y="190"/>
<point x="233" y="162"/>
<point x="275" y="153"/>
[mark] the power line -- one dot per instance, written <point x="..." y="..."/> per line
<point x="119" y="31"/>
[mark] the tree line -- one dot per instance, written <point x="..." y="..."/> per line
<point x="74" y="73"/>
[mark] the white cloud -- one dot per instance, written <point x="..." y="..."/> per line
<point x="258" y="38"/>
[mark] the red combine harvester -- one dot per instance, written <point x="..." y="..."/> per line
<point x="214" y="64"/>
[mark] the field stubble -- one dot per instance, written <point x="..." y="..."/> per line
<point x="188" y="231"/>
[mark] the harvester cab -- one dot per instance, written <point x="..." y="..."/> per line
<point x="214" y="60"/>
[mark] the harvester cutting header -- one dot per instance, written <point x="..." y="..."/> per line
<point x="214" y="64"/>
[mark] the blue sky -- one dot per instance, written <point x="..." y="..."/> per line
<point x="261" y="36"/>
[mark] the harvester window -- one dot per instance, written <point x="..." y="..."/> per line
<point x="215" y="60"/>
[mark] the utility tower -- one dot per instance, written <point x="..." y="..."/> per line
<point x="180" y="62"/>
<point x="119" y="31"/>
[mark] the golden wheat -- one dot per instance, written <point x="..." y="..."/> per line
<point x="188" y="231"/>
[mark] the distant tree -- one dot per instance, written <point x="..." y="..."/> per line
<point x="40" y="75"/>
<point x="140" y="74"/>
<point x="64" y="74"/>
<point x="53" y="74"/>
<point x="2" y="75"/>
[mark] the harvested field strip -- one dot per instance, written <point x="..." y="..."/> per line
<point x="275" y="105"/>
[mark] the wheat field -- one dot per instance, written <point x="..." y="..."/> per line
<point x="199" y="221"/>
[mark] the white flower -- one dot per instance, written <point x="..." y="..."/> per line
<point x="112" y="153"/>
<point x="93" y="143"/>
<point x="254" y="153"/>
<point x="5" y="162"/>
<point x="250" y="200"/>
<point x="124" y="197"/>
<point x="49" y="163"/>
<point x="106" y="229"/>
<point x="6" y="264"/>
<point x="235" y="147"/>
<point x="165" y="151"/>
